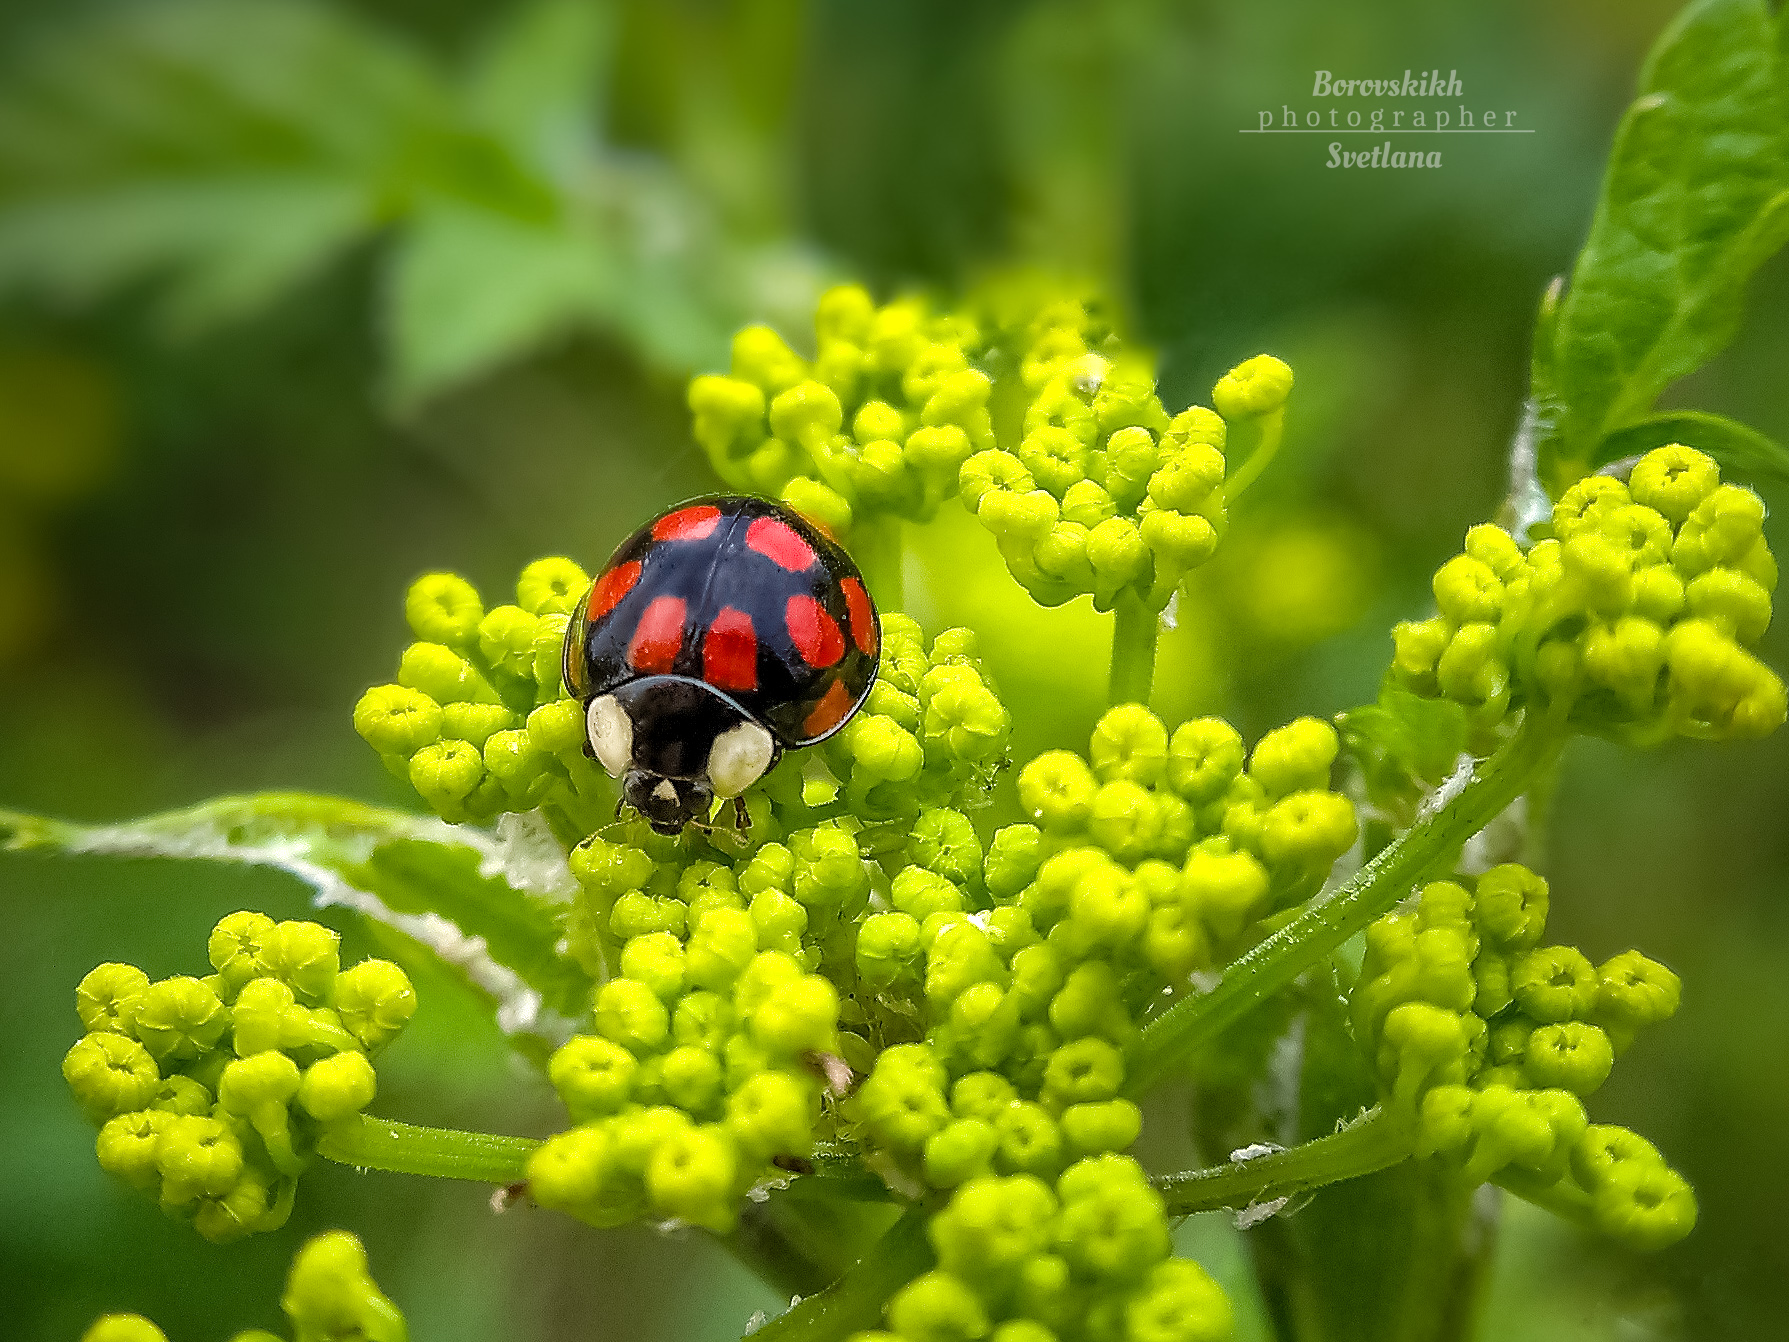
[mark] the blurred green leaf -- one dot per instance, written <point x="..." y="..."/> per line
<point x="227" y="150"/>
<point x="1696" y="197"/>
<point x="538" y="80"/>
<point x="468" y="286"/>
<point x="1740" y="449"/>
<point x="490" y="910"/>
<point x="1404" y="744"/>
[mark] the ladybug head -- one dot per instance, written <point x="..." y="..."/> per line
<point x="677" y="744"/>
<point x="667" y="803"/>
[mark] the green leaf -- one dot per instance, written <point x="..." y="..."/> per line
<point x="537" y="81"/>
<point x="231" y="148"/>
<point x="225" y="151"/>
<point x="232" y="246"/>
<point x="1405" y="743"/>
<point x="1696" y="197"/>
<point x="492" y="909"/>
<point x="469" y="289"/>
<point x="1741" y="449"/>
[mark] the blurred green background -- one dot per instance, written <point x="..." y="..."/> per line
<point x="221" y="462"/>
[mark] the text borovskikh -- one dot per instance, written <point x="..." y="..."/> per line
<point x="1365" y="107"/>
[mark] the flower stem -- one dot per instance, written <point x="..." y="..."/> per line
<point x="855" y="1300"/>
<point x="1134" y="630"/>
<point x="442" y="1153"/>
<point x="877" y="546"/>
<point x="1428" y="846"/>
<point x="1376" y="1142"/>
<point x="1561" y="1197"/>
<point x="1255" y="441"/>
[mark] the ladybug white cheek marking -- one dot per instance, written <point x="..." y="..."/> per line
<point x="611" y="734"/>
<point x="738" y="758"/>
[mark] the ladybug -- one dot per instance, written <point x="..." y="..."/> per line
<point x="719" y="635"/>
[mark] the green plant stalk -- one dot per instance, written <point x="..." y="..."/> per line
<point x="1135" y="628"/>
<point x="878" y="546"/>
<point x="1429" y="845"/>
<point x="1255" y="441"/>
<point x="1377" y="1141"/>
<point x="441" y="1153"/>
<point x="1561" y="1197"/>
<point x="855" y="1300"/>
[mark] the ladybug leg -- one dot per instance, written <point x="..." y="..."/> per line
<point x="742" y="819"/>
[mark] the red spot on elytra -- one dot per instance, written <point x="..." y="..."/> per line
<point x="687" y="524"/>
<point x="863" y="615"/>
<point x="730" y="651"/>
<point x="815" y="633"/>
<point x="778" y="542"/>
<point x="830" y="711"/>
<point x="611" y="587"/>
<point x="658" y="637"/>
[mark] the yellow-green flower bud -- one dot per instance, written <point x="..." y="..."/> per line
<point x="1570" y="1055"/>
<point x="1255" y="387"/>
<point x="1055" y="457"/>
<point x="443" y="608"/>
<point x="1188" y="480"/>
<point x="959" y="1151"/>
<point x="397" y="721"/>
<point x="1204" y="758"/>
<point x="197" y="1157"/>
<point x="593" y="1076"/>
<point x="306" y="955"/>
<point x="337" y="1086"/>
<point x="630" y="1014"/>
<point x="234" y="949"/>
<point x="1294" y="758"/>
<point x="1226" y="892"/>
<point x="1030" y="1142"/>
<point x="690" y="1177"/>
<point x="178" y="1018"/>
<point x="1510" y="906"/>
<point x="1056" y="790"/>
<point x="548" y="587"/>
<point x="1673" y="480"/>
<point x="375" y="1001"/>
<point x="1307" y="831"/>
<point x="1633" y="991"/>
<point x="936" y="1305"/>
<point x="1109" y="1125"/>
<point x="110" y="1074"/>
<point x="102" y="1000"/>
<point x="768" y="1115"/>
<point x="330" y="1294"/>
<point x="446" y="774"/>
<point x="1555" y="983"/>
<point x="123" y="1328"/>
<point x="260" y="1089"/>
<point x="267" y="1016"/>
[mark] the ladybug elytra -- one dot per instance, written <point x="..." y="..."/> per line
<point x="720" y="634"/>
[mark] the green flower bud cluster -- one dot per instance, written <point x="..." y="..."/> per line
<point x="879" y="422"/>
<point x="933" y="732"/>
<point x="1061" y="449"/>
<point x="477" y="721"/>
<point x="1211" y="846"/>
<point x="711" y="1030"/>
<point x="1085" y="1255"/>
<point x="1634" y="619"/>
<point x="210" y="1093"/>
<point x="329" y="1296"/>
<point x="1492" y="1040"/>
